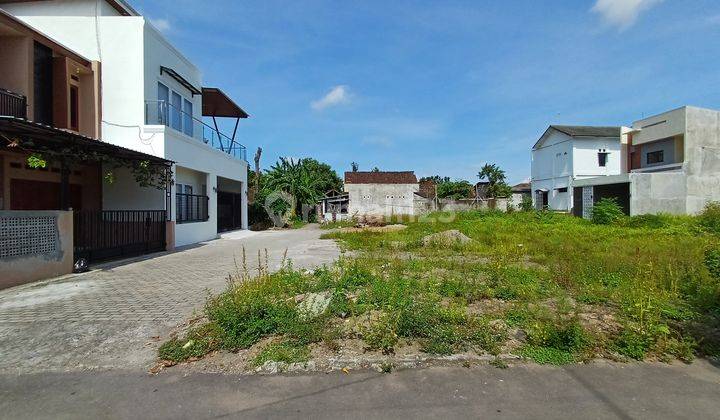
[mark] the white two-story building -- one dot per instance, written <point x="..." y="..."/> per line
<point x="153" y="101"/>
<point x="564" y="154"/>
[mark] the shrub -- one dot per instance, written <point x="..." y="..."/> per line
<point x="565" y="335"/>
<point x="709" y="219"/>
<point x="198" y="342"/>
<point x="382" y="334"/>
<point x="526" y="204"/>
<point x="632" y="344"/>
<point x="606" y="211"/>
<point x="712" y="262"/>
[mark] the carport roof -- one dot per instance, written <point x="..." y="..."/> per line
<point x="35" y="137"/>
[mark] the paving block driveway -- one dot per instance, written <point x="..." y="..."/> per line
<point x="108" y="318"/>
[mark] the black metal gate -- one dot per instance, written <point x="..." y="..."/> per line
<point x="111" y="234"/>
<point x="229" y="211"/>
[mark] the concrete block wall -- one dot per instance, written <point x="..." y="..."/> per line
<point x="36" y="245"/>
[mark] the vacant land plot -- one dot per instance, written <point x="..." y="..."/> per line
<point x="534" y="285"/>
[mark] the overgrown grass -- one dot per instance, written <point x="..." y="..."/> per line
<point x="639" y="287"/>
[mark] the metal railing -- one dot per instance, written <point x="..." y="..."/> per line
<point x="12" y="104"/>
<point x="191" y="208"/>
<point x="164" y="113"/>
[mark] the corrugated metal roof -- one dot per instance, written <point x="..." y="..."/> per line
<point x="587" y="131"/>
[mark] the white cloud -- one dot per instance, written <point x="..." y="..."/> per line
<point x="162" y="25"/>
<point x="337" y="95"/>
<point x="622" y="13"/>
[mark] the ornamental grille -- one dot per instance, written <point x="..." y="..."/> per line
<point x="31" y="235"/>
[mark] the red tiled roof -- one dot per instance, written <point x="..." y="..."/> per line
<point x="405" y="177"/>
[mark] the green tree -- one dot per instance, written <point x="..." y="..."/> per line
<point x="375" y="169"/>
<point x="454" y="189"/>
<point x="497" y="186"/>
<point x="437" y="179"/>
<point x="306" y="180"/>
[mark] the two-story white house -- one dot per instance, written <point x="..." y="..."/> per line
<point x="564" y="154"/>
<point x="153" y="101"/>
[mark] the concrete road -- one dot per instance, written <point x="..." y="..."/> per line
<point x="597" y="391"/>
<point x="115" y="316"/>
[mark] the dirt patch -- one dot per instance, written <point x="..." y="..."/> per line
<point x="494" y="307"/>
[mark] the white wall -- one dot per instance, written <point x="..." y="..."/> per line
<point x="126" y="194"/>
<point x="381" y="199"/>
<point x="585" y="157"/>
<point x="552" y="169"/>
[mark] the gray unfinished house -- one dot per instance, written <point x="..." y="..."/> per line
<point x="381" y="193"/>
<point x="673" y="162"/>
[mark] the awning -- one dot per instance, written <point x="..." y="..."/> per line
<point x="215" y="103"/>
<point x="24" y="135"/>
<point x="178" y="78"/>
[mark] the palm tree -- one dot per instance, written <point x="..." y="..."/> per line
<point x="497" y="187"/>
<point x="294" y="178"/>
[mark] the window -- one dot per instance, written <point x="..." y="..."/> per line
<point x="187" y="117"/>
<point x="74" y="108"/>
<point x="603" y="158"/>
<point x="190" y="208"/>
<point x="562" y="190"/>
<point x="163" y="100"/>
<point x="176" y="106"/>
<point x="655" y="157"/>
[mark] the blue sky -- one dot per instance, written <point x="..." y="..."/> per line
<point x="442" y="87"/>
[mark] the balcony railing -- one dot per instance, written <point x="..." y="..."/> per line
<point x="191" y="208"/>
<point x="12" y="104"/>
<point x="164" y="113"/>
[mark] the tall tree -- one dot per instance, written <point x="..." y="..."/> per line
<point x="497" y="187"/>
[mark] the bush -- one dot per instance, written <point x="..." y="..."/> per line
<point x="709" y="219"/>
<point x="526" y="204"/>
<point x="382" y="334"/>
<point x="712" y="262"/>
<point x="606" y="211"/>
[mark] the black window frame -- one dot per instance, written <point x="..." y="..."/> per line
<point x="603" y="159"/>
<point x="659" y="157"/>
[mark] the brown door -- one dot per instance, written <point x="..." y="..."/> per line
<point x="41" y="195"/>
